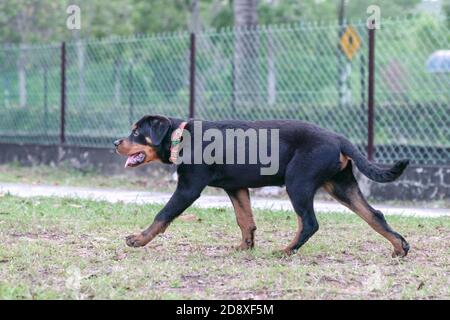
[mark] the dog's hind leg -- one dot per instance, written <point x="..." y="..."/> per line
<point x="344" y="188"/>
<point x="244" y="216"/>
<point x="301" y="190"/>
<point x="304" y="175"/>
<point x="302" y="201"/>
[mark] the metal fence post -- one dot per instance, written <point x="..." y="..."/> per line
<point x="62" y="134"/>
<point x="192" y="76"/>
<point x="371" y="92"/>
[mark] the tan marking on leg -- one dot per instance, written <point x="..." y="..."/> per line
<point x="343" y="159"/>
<point x="363" y="209"/>
<point x="360" y="206"/>
<point x="140" y="240"/>
<point x="289" y="249"/>
<point x="244" y="217"/>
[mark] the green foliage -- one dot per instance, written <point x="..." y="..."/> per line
<point x="32" y="20"/>
<point x="159" y="15"/>
<point x="356" y="9"/>
<point x="45" y="20"/>
<point x="446" y="7"/>
<point x="288" y="11"/>
<point x="103" y="19"/>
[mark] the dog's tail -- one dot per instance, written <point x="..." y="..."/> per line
<point x="369" y="169"/>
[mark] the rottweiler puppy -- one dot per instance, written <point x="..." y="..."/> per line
<point x="308" y="158"/>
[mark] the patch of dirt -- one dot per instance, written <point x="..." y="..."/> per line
<point x="52" y="236"/>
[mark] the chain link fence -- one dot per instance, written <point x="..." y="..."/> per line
<point x="270" y="72"/>
<point x="112" y="83"/>
<point x="30" y="94"/>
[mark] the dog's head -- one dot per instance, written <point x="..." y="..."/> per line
<point x="145" y="143"/>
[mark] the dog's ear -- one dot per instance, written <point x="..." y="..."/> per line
<point x="155" y="128"/>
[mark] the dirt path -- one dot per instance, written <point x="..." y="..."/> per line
<point x="205" y="201"/>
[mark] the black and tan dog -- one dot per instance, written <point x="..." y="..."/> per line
<point x="309" y="158"/>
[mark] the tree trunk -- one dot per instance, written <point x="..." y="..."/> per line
<point x="5" y="72"/>
<point x="22" y="76"/>
<point x="245" y="68"/>
<point x="271" y="75"/>
<point x="81" y="55"/>
<point x="194" y="27"/>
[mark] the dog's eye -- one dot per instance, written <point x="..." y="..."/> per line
<point x="135" y="133"/>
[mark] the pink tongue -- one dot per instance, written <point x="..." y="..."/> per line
<point x="134" y="159"/>
<point x="129" y="159"/>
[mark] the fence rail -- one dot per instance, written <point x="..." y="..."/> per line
<point x="296" y="71"/>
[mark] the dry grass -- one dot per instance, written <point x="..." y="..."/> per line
<point x="66" y="248"/>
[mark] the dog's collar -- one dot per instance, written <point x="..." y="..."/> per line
<point x="175" y="140"/>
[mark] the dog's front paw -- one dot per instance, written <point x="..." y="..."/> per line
<point x="135" y="240"/>
<point x="244" y="245"/>
<point x="403" y="252"/>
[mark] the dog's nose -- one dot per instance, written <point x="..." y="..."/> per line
<point x="117" y="142"/>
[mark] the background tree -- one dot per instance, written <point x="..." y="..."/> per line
<point x="446" y="6"/>
<point x="246" y="45"/>
<point x="26" y="21"/>
<point x="44" y="21"/>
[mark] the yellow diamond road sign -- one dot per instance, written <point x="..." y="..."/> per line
<point x="350" y="42"/>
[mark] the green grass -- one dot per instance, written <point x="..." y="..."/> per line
<point x="68" y="176"/>
<point x="67" y="248"/>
